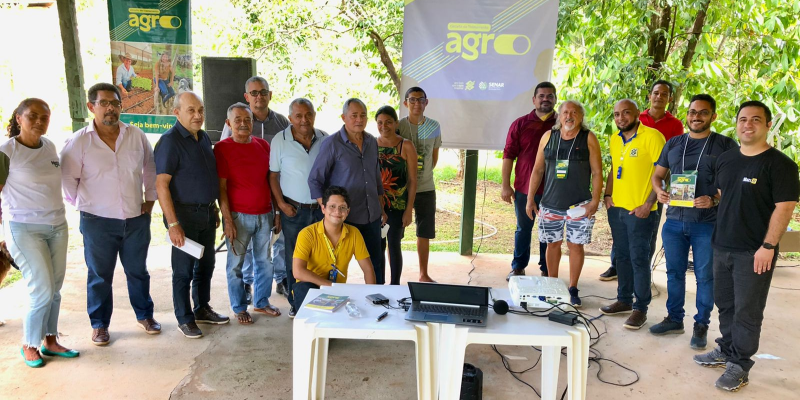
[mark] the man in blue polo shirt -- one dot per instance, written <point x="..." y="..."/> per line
<point x="292" y="155"/>
<point x="188" y="188"/>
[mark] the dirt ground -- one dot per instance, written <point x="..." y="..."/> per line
<point x="254" y="362"/>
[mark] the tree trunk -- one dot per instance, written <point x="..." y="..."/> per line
<point x="462" y="162"/>
<point x="658" y="41"/>
<point x="694" y="36"/>
<point x="386" y="59"/>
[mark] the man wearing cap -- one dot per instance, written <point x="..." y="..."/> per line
<point x="125" y="74"/>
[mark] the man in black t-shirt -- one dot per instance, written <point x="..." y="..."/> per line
<point x="759" y="188"/>
<point x="690" y="222"/>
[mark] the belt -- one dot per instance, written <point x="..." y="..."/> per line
<point x="298" y="205"/>
<point x="195" y="205"/>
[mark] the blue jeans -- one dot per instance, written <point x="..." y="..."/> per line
<point x="103" y="240"/>
<point x="631" y="236"/>
<point x="372" y="239"/>
<point x="40" y="251"/>
<point x="522" y="237"/>
<point x="165" y="90"/>
<point x="291" y="227"/>
<point x="251" y="231"/>
<point x="276" y="259"/>
<point x="677" y="237"/>
<point x="199" y="224"/>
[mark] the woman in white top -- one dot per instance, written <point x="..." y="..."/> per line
<point x="35" y="226"/>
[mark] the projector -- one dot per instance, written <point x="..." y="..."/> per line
<point x="537" y="291"/>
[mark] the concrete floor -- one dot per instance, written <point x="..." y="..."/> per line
<point x="254" y="362"/>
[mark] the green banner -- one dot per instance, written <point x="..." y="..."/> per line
<point x="151" y="58"/>
<point x="150" y="21"/>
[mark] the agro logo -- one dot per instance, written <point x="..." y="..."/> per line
<point x="471" y="45"/>
<point x="146" y="19"/>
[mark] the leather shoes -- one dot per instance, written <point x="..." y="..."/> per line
<point x="100" y="336"/>
<point x="206" y="315"/>
<point x="150" y="326"/>
<point x="616" y="307"/>
<point x="190" y="330"/>
<point x="515" y="272"/>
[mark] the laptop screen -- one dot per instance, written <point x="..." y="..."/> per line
<point x="455" y="294"/>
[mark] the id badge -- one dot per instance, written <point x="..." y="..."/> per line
<point x="619" y="172"/>
<point x="333" y="273"/>
<point x="420" y="162"/>
<point x="562" y="167"/>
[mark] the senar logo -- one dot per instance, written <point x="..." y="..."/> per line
<point x="146" y="19"/>
<point x="750" y="180"/>
<point x="476" y="42"/>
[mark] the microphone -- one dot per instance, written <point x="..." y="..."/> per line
<point x="500" y="307"/>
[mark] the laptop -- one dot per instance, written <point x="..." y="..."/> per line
<point x="448" y="304"/>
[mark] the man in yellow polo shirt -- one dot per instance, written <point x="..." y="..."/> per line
<point x="630" y="199"/>
<point x="324" y="249"/>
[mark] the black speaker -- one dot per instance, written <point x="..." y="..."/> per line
<point x="223" y="85"/>
<point x="471" y="383"/>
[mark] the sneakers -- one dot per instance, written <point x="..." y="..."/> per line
<point x="280" y="288"/>
<point x="699" y="337"/>
<point x="609" y="275"/>
<point x="292" y="312"/>
<point x="733" y="379"/>
<point x="190" y="330"/>
<point x="713" y="359"/>
<point x="616" y="307"/>
<point x="636" y="320"/>
<point x="573" y="297"/>
<point x="667" y="326"/>
<point x="206" y="315"/>
<point x="100" y="336"/>
<point x="515" y="272"/>
<point x="248" y="294"/>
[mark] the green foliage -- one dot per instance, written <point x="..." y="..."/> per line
<point x="142" y="83"/>
<point x="745" y="50"/>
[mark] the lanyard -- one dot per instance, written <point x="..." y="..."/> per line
<point x="558" y="147"/>
<point x="331" y="253"/>
<point x="683" y="158"/>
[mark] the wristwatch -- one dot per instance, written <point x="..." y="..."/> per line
<point x="768" y="246"/>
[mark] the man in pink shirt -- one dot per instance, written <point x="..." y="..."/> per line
<point x="109" y="174"/>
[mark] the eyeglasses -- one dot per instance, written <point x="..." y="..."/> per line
<point x="262" y="93"/>
<point x="106" y="103"/>
<point x="233" y="247"/>
<point x="341" y="209"/>
<point x="704" y="113"/>
<point x="415" y="100"/>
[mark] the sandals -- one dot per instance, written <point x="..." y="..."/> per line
<point x="244" y="318"/>
<point x="269" y="310"/>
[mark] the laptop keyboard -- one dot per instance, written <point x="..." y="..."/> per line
<point x="440" y="309"/>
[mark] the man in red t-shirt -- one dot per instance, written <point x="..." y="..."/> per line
<point x="659" y="118"/>
<point x="522" y="145"/>
<point x="246" y="205"/>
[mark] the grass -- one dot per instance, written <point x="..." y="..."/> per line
<point x="12" y="277"/>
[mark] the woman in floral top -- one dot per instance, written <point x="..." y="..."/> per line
<point x="397" y="157"/>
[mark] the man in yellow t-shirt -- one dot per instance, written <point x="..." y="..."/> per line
<point x="324" y="249"/>
<point x="629" y="198"/>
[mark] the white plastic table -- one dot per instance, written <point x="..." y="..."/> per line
<point x="518" y="330"/>
<point x="313" y="329"/>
